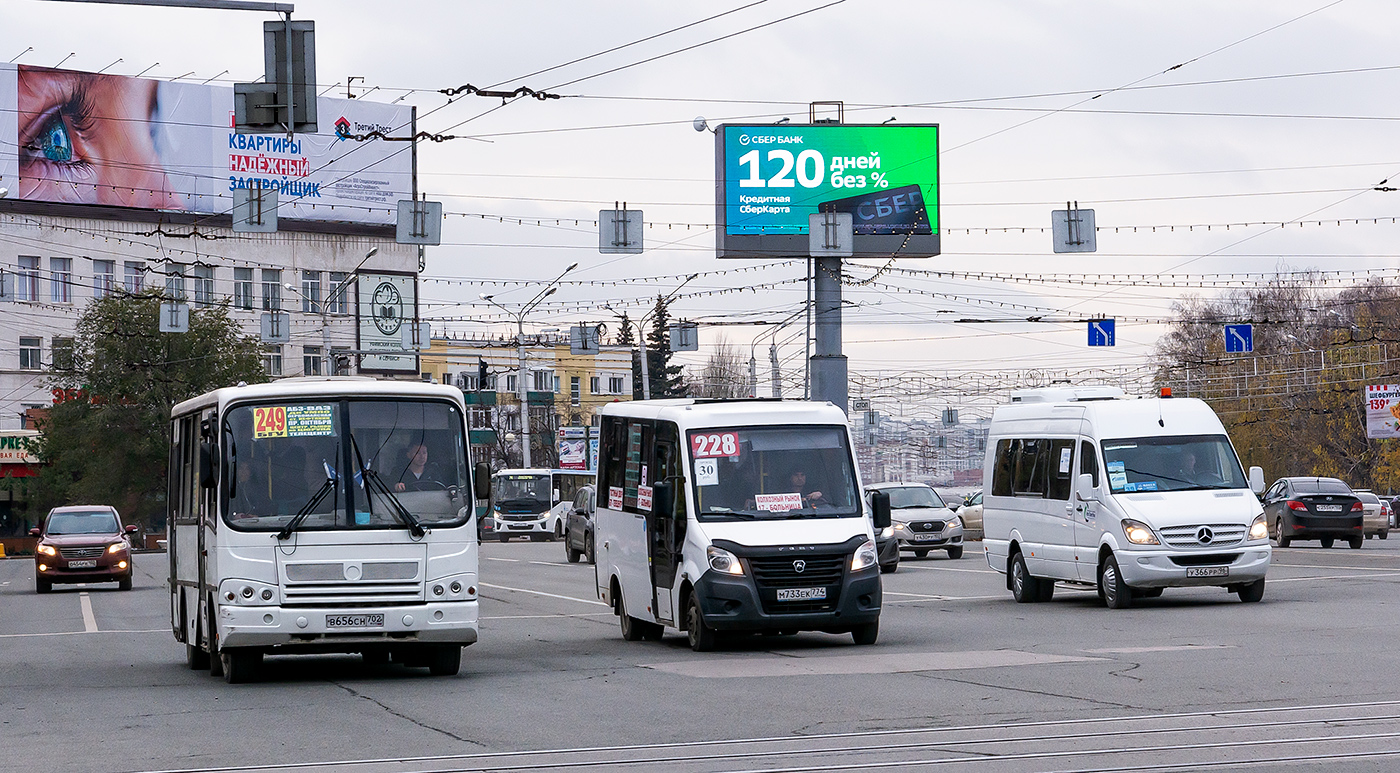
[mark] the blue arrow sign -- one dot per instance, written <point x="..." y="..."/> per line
<point x="1101" y="332"/>
<point x="1239" y="338"/>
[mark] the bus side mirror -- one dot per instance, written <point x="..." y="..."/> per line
<point x="481" y="481"/>
<point x="206" y="465"/>
<point x="1256" y="480"/>
<point x="663" y="499"/>
<point x="880" y="510"/>
<point x="1084" y="489"/>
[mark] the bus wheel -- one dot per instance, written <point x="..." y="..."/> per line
<point x="632" y="628"/>
<point x="196" y="658"/>
<point x="240" y="664"/>
<point x="445" y="660"/>
<point x="1116" y="593"/>
<point x="702" y="636"/>
<point x="866" y="634"/>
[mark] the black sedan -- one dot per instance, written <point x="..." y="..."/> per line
<point x="1324" y="509"/>
<point x="578" y="526"/>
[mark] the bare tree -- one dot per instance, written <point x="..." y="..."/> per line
<point x="725" y="375"/>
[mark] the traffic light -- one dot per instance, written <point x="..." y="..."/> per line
<point x="480" y="375"/>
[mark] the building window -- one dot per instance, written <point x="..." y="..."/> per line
<point x="272" y="360"/>
<point x="61" y="280"/>
<point x="272" y="289"/>
<point x="544" y="381"/>
<point x="615" y="385"/>
<point x="593" y="382"/>
<point x="62" y="353"/>
<point x="203" y="280"/>
<point x="104" y="278"/>
<point x="30" y="351"/>
<point x="243" y="288"/>
<point x="311" y="360"/>
<point x="175" y="281"/>
<point x="27" y="279"/>
<point x="574" y="387"/>
<point x="135" y="271"/>
<point x="512" y="383"/>
<point x="311" y="292"/>
<point x="336" y="304"/>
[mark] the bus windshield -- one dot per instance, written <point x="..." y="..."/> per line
<point x="292" y="459"/>
<point x="1172" y="463"/>
<point x="522" y="493"/>
<point x="768" y="473"/>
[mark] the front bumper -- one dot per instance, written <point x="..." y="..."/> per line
<point x="453" y="622"/>
<point x="936" y="540"/>
<point x="504" y="528"/>
<point x="109" y="568"/>
<point x="734" y="604"/>
<point x="1157" y="569"/>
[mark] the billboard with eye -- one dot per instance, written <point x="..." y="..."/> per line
<point x="769" y="179"/>
<point x="88" y="138"/>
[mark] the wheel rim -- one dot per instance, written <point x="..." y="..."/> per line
<point x="1018" y="578"/>
<point x="1110" y="583"/>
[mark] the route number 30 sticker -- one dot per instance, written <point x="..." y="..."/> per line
<point x="714" y="444"/>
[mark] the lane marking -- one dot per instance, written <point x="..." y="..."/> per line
<point x="547" y="617"/>
<point x="552" y="563"/>
<point x="89" y="620"/>
<point x="541" y="593"/>
<point x="825" y="665"/>
<point x="1334" y="577"/>
<point x="75" y="633"/>
<point x="1176" y="648"/>
<point x="506" y="560"/>
<point x="907" y="565"/>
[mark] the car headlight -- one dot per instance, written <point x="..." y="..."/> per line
<point x="1139" y="533"/>
<point x="864" y="557"/>
<point x="116" y="547"/>
<point x="1259" y="529"/>
<point x="953" y="523"/>
<point x="887" y="532"/>
<point x="724" y="562"/>
<point x="48" y="550"/>
<point x="898" y="527"/>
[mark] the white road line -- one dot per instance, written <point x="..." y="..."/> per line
<point x="506" y="560"/>
<point x="89" y="621"/>
<point x="1176" y="648"/>
<point x="1335" y="577"/>
<point x="75" y="633"/>
<point x="542" y="593"/>
<point x="985" y="570"/>
<point x="552" y="563"/>
<point x="545" y="617"/>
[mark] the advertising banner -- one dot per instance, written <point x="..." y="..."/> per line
<point x="772" y="178"/>
<point x="86" y="138"/>
<point x="387" y="302"/>
<point x="574" y="451"/>
<point x="1382" y="410"/>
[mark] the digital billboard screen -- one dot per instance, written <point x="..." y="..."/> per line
<point x="771" y="178"/>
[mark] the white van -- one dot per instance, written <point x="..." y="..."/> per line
<point x="704" y="523"/>
<point x="1087" y="486"/>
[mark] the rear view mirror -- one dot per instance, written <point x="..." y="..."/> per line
<point x="131" y="529"/>
<point x="1084" y="488"/>
<point x="954" y="506"/>
<point x="34" y="532"/>
<point x="1256" y="479"/>
<point x="481" y="481"/>
<point x="880" y="510"/>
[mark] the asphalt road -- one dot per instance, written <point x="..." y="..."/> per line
<point x="962" y="678"/>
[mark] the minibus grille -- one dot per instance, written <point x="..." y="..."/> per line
<point x="526" y="517"/>
<point x="771" y="574"/>
<point x="1209" y="535"/>
<point x="374" y="582"/>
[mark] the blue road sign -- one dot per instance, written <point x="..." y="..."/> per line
<point x="1239" y="338"/>
<point x="1101" y="332"/>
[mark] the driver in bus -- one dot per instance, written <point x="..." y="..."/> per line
<point x="810" y="496"/>
<point x="419" y="475"/>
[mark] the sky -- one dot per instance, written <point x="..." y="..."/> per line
<point x="1162" y="118"/>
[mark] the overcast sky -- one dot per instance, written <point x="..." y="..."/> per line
<point x="1177" y="116"/>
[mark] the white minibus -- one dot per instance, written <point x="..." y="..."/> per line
<point x="1087" y="486"/>
<point x="533" y="503"/>
<point x="323" y="515"/>
<point x="734" y="515"/>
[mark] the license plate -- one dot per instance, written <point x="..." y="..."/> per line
<point x="925" y="537"/>
<point x="1328" y="508"/>
<point x="801" y="594"/>
<point x="87" y="563"/>
<point x="1207" y="571"/>
<point x="355" y="621"/>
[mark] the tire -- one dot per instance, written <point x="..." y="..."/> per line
<point x="558" y="532"/>
<point x="865" y="635"/>
<point x="43" y="586"/>
<point x="240" y="664"/>
<point x="216" y="661"/>
<point x="588" y="549"/>
<point x="653" y="631"/>
<point x="503" y="537"/>
<point x="955" y="552"/>
<point x="571" y="554"/>
<point x="445" y="660"/>
<point x="1252" y="592"/>
<point x="1024" y="588"/>
<point x="196" y="658"/>
<point x="1355" y="543"/>
<point x="1046" y="591"/>
<point x="1116" y="593"/>
<point x="1328" y="542"/>
<point x="701" y="636"/>
<point x="1384" y="534"/>
<point x="632" y="628"/>
<point x="889" y="568"/>
<point x="375" y="658"/>
<point x="124" y="583"/>
<point x="1283" y="540"/>
<point x="921" y="553"/>
<point x="1148" y="593"/>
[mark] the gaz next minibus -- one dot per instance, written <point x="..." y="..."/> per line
<point x="716" y="516"/>
<point x="323" y="515"/>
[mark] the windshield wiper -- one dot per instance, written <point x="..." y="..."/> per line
<point x="396" y="507"/>
<point x="311" y="505"/>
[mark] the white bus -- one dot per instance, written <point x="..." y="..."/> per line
<point x="323" y="515"/>
<point x="533" y="503"/>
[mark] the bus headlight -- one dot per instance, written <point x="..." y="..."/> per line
<point x="724" y="562"/>
<point x="1139" y="533"/>
<point x="1259" y="529"/>
<point x="864" y="557"/>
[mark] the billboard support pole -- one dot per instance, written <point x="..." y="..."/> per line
<point x="828" y="364"/>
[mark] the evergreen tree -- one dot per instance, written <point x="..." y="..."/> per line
<point x="667" y="380"/>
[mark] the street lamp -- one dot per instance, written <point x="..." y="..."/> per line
<point x="641" y="336"/>
<point x="772" y="355"/>
<point x="522" y="393"/>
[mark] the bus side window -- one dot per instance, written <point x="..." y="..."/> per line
<point x="1088" y="461"/>
<point x="612" y="449"/>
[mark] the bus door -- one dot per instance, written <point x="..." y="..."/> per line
<point x="666" y="535"/>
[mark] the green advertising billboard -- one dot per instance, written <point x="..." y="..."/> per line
<point x="771" y="178"/>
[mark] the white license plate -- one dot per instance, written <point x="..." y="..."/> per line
<point x="1328" y="508"/>
<point x="801" y="594"/>
<point x="86" y="563"/>
<point x="1207" y="571"/>
<point x="925" y="537"/>
<point x="355" y="621"/>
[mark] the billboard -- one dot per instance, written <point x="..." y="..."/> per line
<point x="387" y="304"/>
<point x="1382" y="410"/>
<point x="86" y="138"/>
<point x="769" y="179"/>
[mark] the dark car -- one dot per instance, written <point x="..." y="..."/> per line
<point x="1324" y="509"/>
<point x="82" y="543"/>
<point x="578" y="526"/>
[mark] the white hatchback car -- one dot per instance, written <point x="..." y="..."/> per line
<point x="921" y="520"/>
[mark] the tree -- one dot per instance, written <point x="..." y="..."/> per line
<point x="725" y="375"/>
<point x="666" y="379"/>
<point x="107" y="437"/>
<point x="627" y="339"/>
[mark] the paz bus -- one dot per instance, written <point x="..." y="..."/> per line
<point x="314" y="515"/>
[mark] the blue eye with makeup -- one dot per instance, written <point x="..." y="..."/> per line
<point x="54" y="141"/>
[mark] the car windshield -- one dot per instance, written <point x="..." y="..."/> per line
<point x="1321" y="486"/>
<point x="91" y="522"/>
<point x="906" y="497"/>
<point x="522" y="490"/>
<point x="296" y="458"/>
<point x="767" y="473"/>
<point x="1172" y="463"/>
